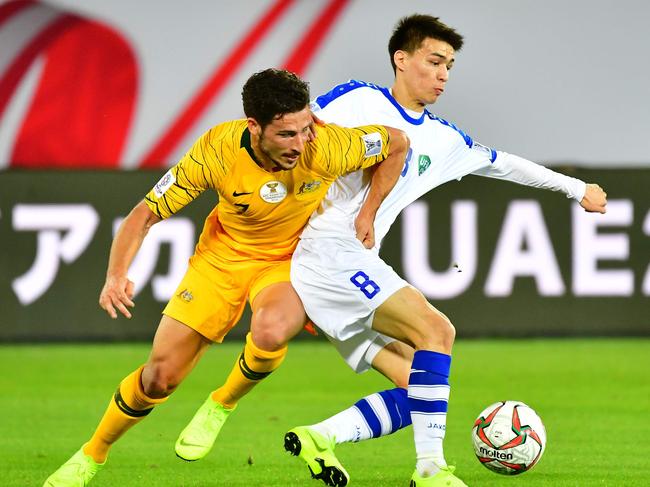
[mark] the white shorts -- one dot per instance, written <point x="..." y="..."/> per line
<point x="341" y="284"/>
<point x="361" y="349"/>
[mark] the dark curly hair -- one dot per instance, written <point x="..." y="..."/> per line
<point x="412" y="30"/>
<point x="271" y="93"/>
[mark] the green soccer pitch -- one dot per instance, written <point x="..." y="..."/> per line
<point x="593" y="396"/>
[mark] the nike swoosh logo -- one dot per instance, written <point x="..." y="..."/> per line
<point x="236" y="194"/>
<point x="185" y="443"/>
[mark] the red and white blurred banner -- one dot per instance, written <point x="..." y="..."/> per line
<point x="96" y="84"/>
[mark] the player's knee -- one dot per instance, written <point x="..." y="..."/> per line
<point x="272" y="329"/>
<point x="269" y="339"/>
<point x="160" y="380"/>
<point x="437" y="332"/>
<point x="449" y="332"/>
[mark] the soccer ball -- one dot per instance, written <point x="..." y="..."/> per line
<point x="509" y="437"/>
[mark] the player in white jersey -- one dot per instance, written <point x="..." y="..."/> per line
<point x="374" y="317"/>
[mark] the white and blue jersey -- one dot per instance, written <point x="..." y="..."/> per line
<point x="339" y="281"/>
<point x="440" y="152"/>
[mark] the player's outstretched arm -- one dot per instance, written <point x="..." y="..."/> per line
<point x="518" y="170"/>
<point x="595" y="199"/>
<point x="117" y="292"/>
<point x="384" y="177"/>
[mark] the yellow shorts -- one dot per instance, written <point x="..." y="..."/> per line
<point x="211" y="299"/>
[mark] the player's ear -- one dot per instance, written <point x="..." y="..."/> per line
<point x="253" y="127"/>
<point x="400" y="58"/>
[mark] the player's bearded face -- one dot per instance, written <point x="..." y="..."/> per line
<point x="283" y="140"/>
<point x="427" y="70"/>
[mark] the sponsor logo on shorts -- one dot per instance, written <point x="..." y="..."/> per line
<point x="186" y="295"/>
<point x="164" y="184"/>
<point x="373" y="144"/>
<point x="309" y="187"/>
<point x="273" y="192"/>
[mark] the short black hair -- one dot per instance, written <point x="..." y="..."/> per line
<point x="412" y="30"/>
<point x="271" y="93"/>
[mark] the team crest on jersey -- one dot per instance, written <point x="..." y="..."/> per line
<point x="186" y="295"/>
<point x="423" y="163"/>
<point x="373" y="144"/>
<point x="273" y="192"/>
<point x="164" y="184"/>
<point x="309" y="187"/>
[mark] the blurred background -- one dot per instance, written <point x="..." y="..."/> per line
<point x="98" y="98"/>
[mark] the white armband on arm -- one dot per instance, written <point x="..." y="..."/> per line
<point x="522" y="171"/>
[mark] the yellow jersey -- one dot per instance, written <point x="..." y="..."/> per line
<point x="261" y="214"/>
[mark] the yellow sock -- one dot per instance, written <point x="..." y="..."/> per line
<point x="127" y="407"/>
<point x="252" y="366"/>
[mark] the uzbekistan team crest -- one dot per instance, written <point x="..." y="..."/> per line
<point x="423" y="163"/>
<point x="273" y="192"/>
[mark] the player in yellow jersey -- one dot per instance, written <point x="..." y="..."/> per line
<point x="270" y="171"/>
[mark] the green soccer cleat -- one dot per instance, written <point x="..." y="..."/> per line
<point x="444" y="478"/>
<point x="76" y="472"/>
<point x="318" y="453"/>
<point x="196" y="440"/>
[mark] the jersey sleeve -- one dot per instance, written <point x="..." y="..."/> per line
<point x="510" y="167"/>
<point x="346" y="150"/>
<point x="200" y="168"/>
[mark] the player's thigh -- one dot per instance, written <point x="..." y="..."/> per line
<point x="278" y="313"/>
<point x="406" y="316"/>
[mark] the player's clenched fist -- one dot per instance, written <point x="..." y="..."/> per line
<point x="117" y="293"/>
<point x="364" y="225"/>
<point x="595" y="199"/>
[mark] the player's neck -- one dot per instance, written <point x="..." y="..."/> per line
<point x="259" y="157"/>
<point x="403" y="97"/>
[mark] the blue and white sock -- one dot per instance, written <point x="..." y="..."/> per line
<point x="428" y="395"/>
<point x="378" y="414"/>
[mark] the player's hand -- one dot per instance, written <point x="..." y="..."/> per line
<point x="312" y="129"/>
<point x="365" y="228"/>
<point x="117" y="294"/>
<point x="595" y="199"/>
